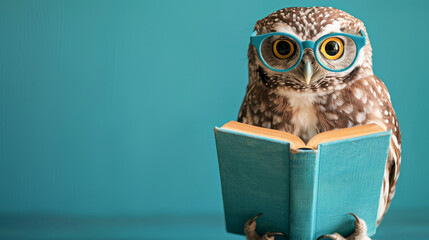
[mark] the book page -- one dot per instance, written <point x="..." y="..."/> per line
<point x="295" y="141"/>
<point x="345" y="133"/>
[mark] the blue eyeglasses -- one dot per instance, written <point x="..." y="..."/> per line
<point x="282" y="52"/>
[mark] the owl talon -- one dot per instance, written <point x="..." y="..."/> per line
<point x="257" y="216"/>
<point x="359" y="234"/>
<point x="250" y="227"/>
<point x="250" y="224"/>
<point x="335" y="236"/>
<point x="271" y="235"/>
<point x="250" y="231"/>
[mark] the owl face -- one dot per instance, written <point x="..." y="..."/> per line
<point x="286" y="61"/>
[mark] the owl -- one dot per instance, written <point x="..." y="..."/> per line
<point x="310" y="71"/>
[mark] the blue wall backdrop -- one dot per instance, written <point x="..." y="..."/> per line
<point x="108" y="107"/>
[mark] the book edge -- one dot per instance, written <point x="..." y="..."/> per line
<point x="218" y="153"/>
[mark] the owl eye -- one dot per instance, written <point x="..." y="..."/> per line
<point x="283" y="48"/>
<point x="332" y="48"/>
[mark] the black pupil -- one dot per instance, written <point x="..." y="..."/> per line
<point x="332" y="48"/>
<point x="283" y="48"/>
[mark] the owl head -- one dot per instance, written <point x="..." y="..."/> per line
<point x="316" y="49"/>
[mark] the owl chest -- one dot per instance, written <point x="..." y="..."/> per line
<point x="303" y="116"/>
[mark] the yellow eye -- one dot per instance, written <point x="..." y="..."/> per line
<point x="332" y="48"/>
<point x="283" y="48"/>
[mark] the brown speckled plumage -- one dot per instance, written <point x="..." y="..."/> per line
<point x="283" y="101"/>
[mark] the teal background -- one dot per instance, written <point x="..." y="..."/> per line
<point x="108" y="107"/>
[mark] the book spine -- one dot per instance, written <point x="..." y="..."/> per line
<point x="303" y="173"/>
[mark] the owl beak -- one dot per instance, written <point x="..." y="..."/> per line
<point x="308" y="71"/>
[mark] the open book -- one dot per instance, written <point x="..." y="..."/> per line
<point x="329" y="136"/>
<point x="304" y="190"/>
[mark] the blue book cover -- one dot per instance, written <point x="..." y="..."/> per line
<point x="303" y="190"/>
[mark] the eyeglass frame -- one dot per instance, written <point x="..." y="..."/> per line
<point x="257" y="40"/>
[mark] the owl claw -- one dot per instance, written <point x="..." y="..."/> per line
<point x="250" y="224"/>
<point x="257" y="216"/>
<point x="335" y="236"/>
<point x="359" y="234"/>
<point x="250" y="227"/>
<point x="250" y="231"/>
<point x="271" y="235"/>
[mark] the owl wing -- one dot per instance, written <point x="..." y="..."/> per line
<point x="254" y="107"/>
<point x="389" y="121"/>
